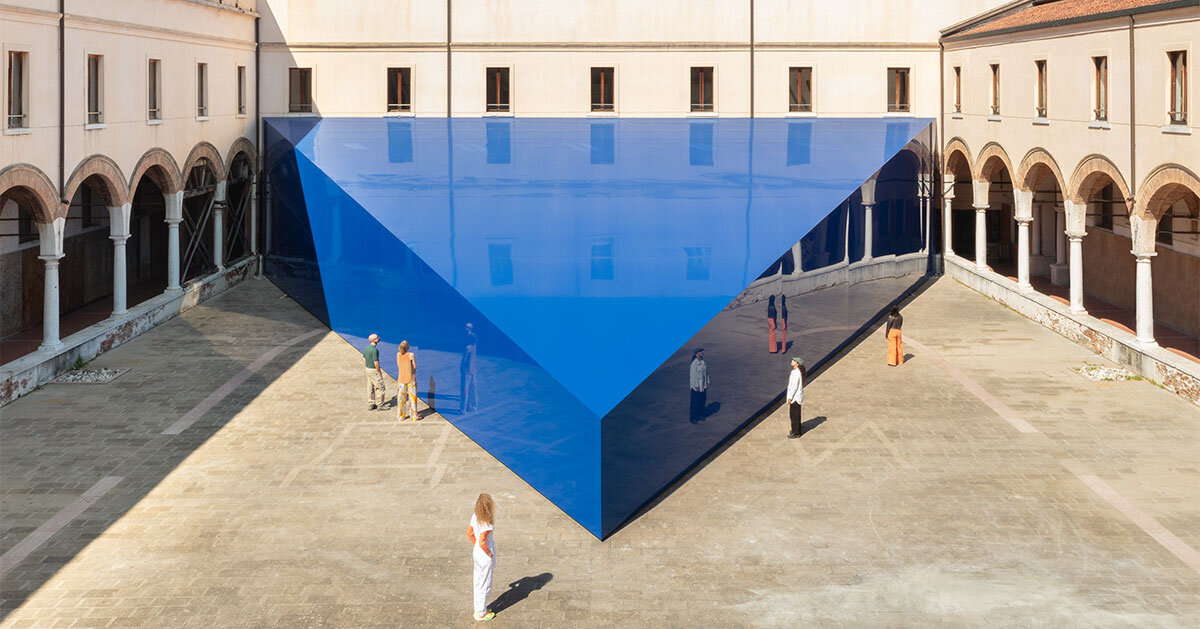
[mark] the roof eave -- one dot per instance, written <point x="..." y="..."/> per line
<point x="1164" y="6"/>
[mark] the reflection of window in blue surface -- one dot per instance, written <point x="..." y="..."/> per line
<point x="699" y="259"/>
<point x="602" y="259"/>
<point x="500" y="263"/>
<point x="701" y="143"/>
<point x="604" y="143"/>
<point x="799" y="143"/>
<point x="499" y="143"/>
<point x="400" y="143"/>
<point x="897" y="137"/>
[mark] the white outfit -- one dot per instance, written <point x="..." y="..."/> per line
<point x="795" y="391"/>
<point x="699" y="375"/>
<point x="484" y="565"/>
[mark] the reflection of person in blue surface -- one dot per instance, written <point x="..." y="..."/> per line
<point x="795" y="395"/>
<point x="699" y="385"/>
<point x="772" y="315"/>
<point x="469" y="399"/>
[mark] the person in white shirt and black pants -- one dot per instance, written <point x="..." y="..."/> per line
<point x="795" y="395"/>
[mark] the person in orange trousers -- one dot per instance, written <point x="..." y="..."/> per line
<point x="895" y="349"/>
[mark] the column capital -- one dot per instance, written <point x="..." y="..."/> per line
<point x="173" y="221"/>
<point x="981" y="208"/>
<point x="119" y="239"/>
<point x="1143" y="256"/>
<point x="1076" y="237"/>
<point x="51" y="260"/>
<point x="1023" y="220"/>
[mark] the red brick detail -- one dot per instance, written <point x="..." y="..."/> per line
<point x="1093" y="173"/>
<point x="160" y="167"/>
<point x="1166" y="185"/>
<point x="32" y="190"/>
<point x="104" y="169"/>
<point x="989" y="162"/>
<point x="204" y="150"/>
<point x="1035" y="167"/>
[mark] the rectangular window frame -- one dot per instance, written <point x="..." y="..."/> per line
<point x="958" y="89"/>
<point x="499" y="100"/>
<point x="95" y="89"/>
<point x="399" y="100"/>
<point x="603" y="94"/>
<point x="202" y="110"/>
<point x="240" y="76"/>
<point x="17" y="85"/>
<point x="1041" y="91"/>
<point x="899" y="90"/>
<point x="995" y="89"/>
<point x="1100" y="88"/>
<point x="800" y="77"/>
<point x="701" y="100"/>
<point x="153" y="89"/>
<point x="300" y="102"/>
<point x="1177" y="104"/>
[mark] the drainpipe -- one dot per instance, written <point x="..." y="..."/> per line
<point x="1132" y="126"/>
<point x="62" y="103"/>
<point x="939" y="194"/>
<point x="260" y="137"/>
<point x="448" y="76"/>
<point x="751" y="58"/>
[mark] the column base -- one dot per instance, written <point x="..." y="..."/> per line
<point x="1025" y="288"/>
<point x="1060" y="274"/>
<point x="1151" y="344"/>
<point x="1077" y="311"/>
<point x="51" y="348"/>
<point x="173" y="291"/>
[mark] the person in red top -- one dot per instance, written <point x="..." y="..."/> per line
<point x="482" y="535"/>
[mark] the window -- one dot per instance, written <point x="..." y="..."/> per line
<point x="604" y="143"/>
<point x="1041" y="87"/>
<point x="958" y="89"/>
<point x="154" y="90"/>
<point x="497" y="90"/>
<point x="699" y="260"/>
<point x="1100" y="98"/>
<point x="18" y="90"/>
<point x="1178" y="112"/>
<point x="399" y="89"/>
<point x="800" y="89"/>
<point x="995" y="89"/>
<point x="1164" y="234"/>
<point x="95" y="89"/>
<point x="898" y="89"/>
<point x="603" y="259"/>
<point x="26" y="228"/>
<point x="500" y="263"/>
<point x="602" y="89"/>
<point x="1106" y="206"/>
<point x="241" y="90"/>
<point x="201" y="90"/>
<point x="702" y="89"/>
<point x="300" y="90"/>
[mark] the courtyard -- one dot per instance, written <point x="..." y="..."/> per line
<point x="234" y="477"/>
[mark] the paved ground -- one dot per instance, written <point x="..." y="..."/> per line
<point x="985" y="483"/>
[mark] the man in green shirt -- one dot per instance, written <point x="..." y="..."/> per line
<point x="374" y="373"/>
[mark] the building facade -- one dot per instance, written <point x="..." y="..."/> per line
<point x="1069" y="151"/>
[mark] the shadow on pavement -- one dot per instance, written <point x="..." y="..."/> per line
<point x="520" y="590"/>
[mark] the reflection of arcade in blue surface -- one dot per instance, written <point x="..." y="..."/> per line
<point x="591" y="257"/>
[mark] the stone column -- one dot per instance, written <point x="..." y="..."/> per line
<point x="51" y="240"/>
<point x="118" y="232"/>
<point x="1023" y="254"/>
<point x="868" y="231"/>
<point x="1035" y="231"/>
<point x="174" y="217"/>
<point x="1145" y="301"/>
<point x="1076" y="265"/>
<point x="981" y="237"/>
<point x="218" y="209"/>
<point x="1058" y="271"/>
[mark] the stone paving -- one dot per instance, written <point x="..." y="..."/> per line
<point x="984" y="483"/>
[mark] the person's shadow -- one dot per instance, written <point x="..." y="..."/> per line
<point x="520" y="590"/>
<point x="711" y="409"/>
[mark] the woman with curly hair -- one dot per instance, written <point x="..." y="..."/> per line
<point x="482" y="537"/>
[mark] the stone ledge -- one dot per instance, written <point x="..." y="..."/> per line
<point x="29" y="372"/>
<point x="1156" y="364"/>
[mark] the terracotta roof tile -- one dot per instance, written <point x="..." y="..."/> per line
<point x="1056" y="11"/>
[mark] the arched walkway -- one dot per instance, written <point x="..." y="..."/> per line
<point x="958" y="212"/>
<point x="994" y="201"/>
<point x="28" y="204"/>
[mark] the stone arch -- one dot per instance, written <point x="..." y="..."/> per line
<point x="240" y="145"/>
<point x="989" y="161"/>
<point x="30" y="188"/>
<point x="204" y="150"/>
<point x="1029" y="176"/>
<point x="162" y="170"/>
<point x="957" y="145"/>
<point x="103" y="167"/>
<point x="1166" y="185"/>
<point x="1090" y="176"/>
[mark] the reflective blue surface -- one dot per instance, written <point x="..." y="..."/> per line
<point x="590" y="257"/>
